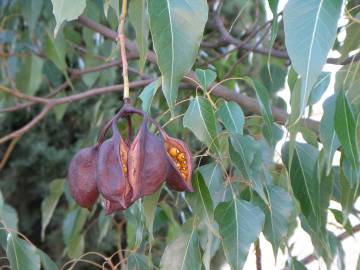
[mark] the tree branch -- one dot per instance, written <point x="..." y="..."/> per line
<point x="51" y="103"/>
<point x="249" y="104"/>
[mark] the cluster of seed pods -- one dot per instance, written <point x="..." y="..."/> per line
<point x="124" y="171"/>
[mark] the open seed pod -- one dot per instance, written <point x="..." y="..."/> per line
<point x="81" y="177"/>
<point x="146" y="163"/>
<point x="180" y="163"/>
<point x="128" y="171"/>
<point x="111" y="176"/>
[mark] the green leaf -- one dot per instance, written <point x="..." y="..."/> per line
<point x="273" y="80"/>
<point x="328" y="135"/>
<point x="138" y="16"/>
<point x="175" y="45"/>
<point x="302" y="174"/>
<point x="75" y="246"/>
<point x="277" y="216"/>
<point x="104" y="225"/>
<point x="265" y="108"/>
<point x="242" y="151"/>
<point x="9" y="217"/>
<point x="200" y="199"/>
<point x="232" y="116"/>
<point x="46" y="261"/>
<point x="183" y="253"/>
<point x="309" y="37"/>
<point x="73" y="223"/>
<point x="212" y="175"/>
<point x="150" y="205"/>
<point x="205" y="77"/>
<point x="319" y="87"/>
<point x="200" y="119"/>
<point x="138" y="261"/>
<point x="240" y="224"/>
<point x="49" y="203"/>
<point x="65" y="10"/>
<point x="348" y="78"/>
<point x="296" y="265"/>
<point x="29" y="77"/>
<point x="351" y="41"/>
<point x="21" y="255"/>
<point x="344" y="123"/>
<point x="148" y="94"/>
<point x="55" y="51"/>
<point x="32" y="10"/>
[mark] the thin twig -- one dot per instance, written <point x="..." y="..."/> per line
<point x="121" y="40"/>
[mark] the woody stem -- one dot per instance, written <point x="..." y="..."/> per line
<point x="121" y="40"/>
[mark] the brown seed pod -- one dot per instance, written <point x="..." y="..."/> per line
<point x="147" y="163"/>
<point x="128" y="172"/>
<point x="180" y="163"/>
<point x="111" y="174"/>
<point x="81" y="177"/>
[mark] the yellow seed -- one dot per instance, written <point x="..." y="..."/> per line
<point x="183" y="175"/>
<point x="181" y="157"/>
<point x="178" y="165"/>
<point x="183" y="169"/>
<point x="124" y="169"/>
<point x="173" y="151"/>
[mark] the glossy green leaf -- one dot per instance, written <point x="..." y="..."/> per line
<point x="328" y="135"/>
<point x="240" y="224"/>
<point x="183" y="253"/>
<point x="200" y="199"/>
<point x="319" y="87"/>
<point x="9" y="217"/>
<point x="65" y="10"/>
<point x="200" y="119"/>
<point x="29" y="77"/>
<point x="32" y="10"/>
<point x="265" y="108"/>
<point x="150" y="204"/>
<point x="205" y="77"/>
<point x="309" y="36"/>
<point x="231" y="116"/>
<point x="46" y="262"/>
<point x="302" y="174"/>
<point x="213" y="177"/>
<point x="175" y="46"/>
<point x="344" y="123"/>
<point x="139" y="18"/>
<point x="148" y="94"/>
<point x="21" y="255"/>
<point x="277" y="216"/>
<point x="49" y="203"/>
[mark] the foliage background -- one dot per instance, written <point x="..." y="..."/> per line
<point x="240" y="188"/>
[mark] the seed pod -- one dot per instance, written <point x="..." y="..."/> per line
<point x="128" y="172"/>
<point x="180" y="163"/>
<point x="147" y="163"/>
<point x="81" y="177"/>
<point x="111" y="207"/>
<point x="112" y="170"/>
